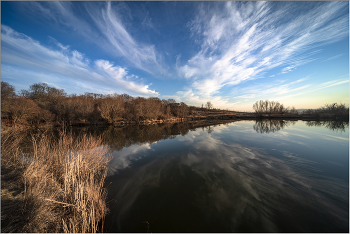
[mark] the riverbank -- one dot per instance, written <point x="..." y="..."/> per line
<point x="204" y="116"/>
<point x="58" y="188"/>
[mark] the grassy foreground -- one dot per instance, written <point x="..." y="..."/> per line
<point x="57" y="188"/>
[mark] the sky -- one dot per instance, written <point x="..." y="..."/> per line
<point x="229" y="53"/>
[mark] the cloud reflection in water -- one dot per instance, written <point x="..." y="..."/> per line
<point x="204" y="184"/>
<point x="122" y="159"/>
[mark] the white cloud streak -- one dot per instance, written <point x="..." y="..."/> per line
<point x="277" y="91"/>
<point x="241" y="41"/>
<point x="110" y="25"/>
<point x="333" y="57"/>
<point x="111" y="34"/>
<point x="23" y="51"/>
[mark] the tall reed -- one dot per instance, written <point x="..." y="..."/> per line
<point x="63" y="185"/>
<point x="12" y="170"/>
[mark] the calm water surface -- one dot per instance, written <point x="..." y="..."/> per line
<point x="243" y="176"/>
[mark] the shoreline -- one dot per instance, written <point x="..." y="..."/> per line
<point x="242" y="116"/>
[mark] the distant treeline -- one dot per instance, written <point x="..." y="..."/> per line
<point x="271" y="108"/>
<point x="329" y="110"/>
<point x="44" y="104"/>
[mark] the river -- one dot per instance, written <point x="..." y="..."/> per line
<point x="244" y="176"/>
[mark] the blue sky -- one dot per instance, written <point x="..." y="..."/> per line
<point x="230" y="53"/>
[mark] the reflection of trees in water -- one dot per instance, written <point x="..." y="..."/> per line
<point x="119" y="137"/>
<point x="208" y="129"/>
<point x="330" y="124"/>
<point x="271" y="125"/>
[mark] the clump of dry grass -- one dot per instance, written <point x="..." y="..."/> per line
<point x="12" y="171"/>
<point x="63" y="185"/>
<point x="10" y="141"/>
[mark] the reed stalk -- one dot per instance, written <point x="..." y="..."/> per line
<point x="62" y="184"/>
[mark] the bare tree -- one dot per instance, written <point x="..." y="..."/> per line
<point x="183" y="110"/>
<point x="293" y="111"/>
<point x="7" y="94"/>
<point x="112" y="108"/>
<point x="269" y="107"/>
<point x="209" y="105"/>
<point x="7" y="90"/>
<point x="170" y="100"/>
<point x="335" y="108"/>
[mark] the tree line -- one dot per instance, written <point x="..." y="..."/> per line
<point x="44" y="104"/>
<point x="329" y="110"/>
<point x="275" y="108"/>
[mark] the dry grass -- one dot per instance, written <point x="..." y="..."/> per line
<point x="12" y="195"/>
<point x="62" y="183"/>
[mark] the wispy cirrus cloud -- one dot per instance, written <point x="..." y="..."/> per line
<point x="110" y="25"/>
<point x="104" y="27"/>
<point x="241" y="41"/>
<point x="278" y="87"/>
<point x="334" y="57"/>
<point x="280" y="90"/>
<point x="61" y="13"/>
<point x="22" y="51"/>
